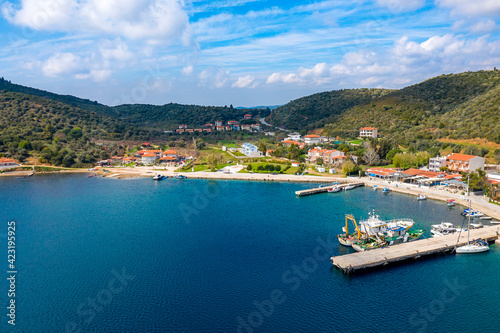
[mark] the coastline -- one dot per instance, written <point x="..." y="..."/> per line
<point x="477" y="202"/>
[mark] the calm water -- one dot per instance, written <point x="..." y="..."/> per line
<point x="105" y="255"/>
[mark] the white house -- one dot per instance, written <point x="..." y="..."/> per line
<point x="312" y="139"/>
<point x="6" y="163"/>
<point x="436" y="163"/>
<point x="368" y="132"/>
<point x="149" y="158"/>
<point x="251" y="150"/>
<point x="294" y="137"/>
<point x="464" y="163"/>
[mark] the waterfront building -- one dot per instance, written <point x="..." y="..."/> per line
<point x="7" y="163"/>
<point x="149" y="158"/>
<point x="436" y="163"/>
<point x="464" y="163"/>
<point x="251" y="150"/>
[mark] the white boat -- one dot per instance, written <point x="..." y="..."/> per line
<point x="475" y="246"/>
<point x="348" y="187"/>
<point x="334" y="189"/>
<point x="444" y="228"/>
<point x="485" y="218"/>
<point x="386" y="190"/>
<point x="374" y="187"/>
<point x="421" y="197"/>
<point x="451" y="203"/>
<point x="472" y="213"/>
<point x="476" y="225"/>
<point x="374" y="225"/>
<point x="159" y="177"/>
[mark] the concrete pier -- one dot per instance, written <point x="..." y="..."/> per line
<point x="412" y="250"/>
<point x="324" y="189"/>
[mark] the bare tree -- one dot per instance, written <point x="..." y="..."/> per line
<point x="370" y="157"/>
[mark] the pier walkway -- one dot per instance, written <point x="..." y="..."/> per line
<point x="412" y="250"/>
<point x="324" y="188"/>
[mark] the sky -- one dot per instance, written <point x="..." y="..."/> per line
<point x="240" y="52"/>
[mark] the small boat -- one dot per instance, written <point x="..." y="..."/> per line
<point x="89" y="176"/>
<point x="476" y="225"/>
<point x="475" y="246"/>
<point x="159" y="177"/>
<point x="472" y="213"/>
<point x="495" y="222"/>
<point x="180" y="176"/>
<point x="485" y="218"/>
<point x="348" y="187"/>
<point x="444" y="228"/>
<point x="450" y="203"/>
<point x="374" y="187"/>
<point x="334" y="189"/>
<point x="421" y="197"/>
<point x="386" y="190"/>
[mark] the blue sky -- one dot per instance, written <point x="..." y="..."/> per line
<point x="240" y="52"/>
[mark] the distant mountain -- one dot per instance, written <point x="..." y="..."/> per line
<point x="460" y="106"/>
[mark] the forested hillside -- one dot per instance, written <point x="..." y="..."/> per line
<point x="319" y="109"/>
<point x="461" y="106"/>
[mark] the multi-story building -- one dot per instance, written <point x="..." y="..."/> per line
<point x="312" y="139"/>
<point x="368" y="132"/>
<point x="436" y="163"/>
<point x="464" y="163"/>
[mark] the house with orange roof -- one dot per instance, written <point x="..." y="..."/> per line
<point x="149" y="158"/>
<point x="247" y="116"/>
<point x="385" y="173"/>
<point x="312" y="139"/>
<point x="6" y="163"/>
<point x="288" y="143"/>
<point x="170" y="153"/>
<point x="464" y="163"/>
<point x="368" y="132"/>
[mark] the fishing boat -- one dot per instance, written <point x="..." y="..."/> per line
<point x="474" y="246"/>
<point x="348" y="239"/>
<point x="450" y="203"/>
<point x="386" y="190"/>
<point x="334" y="189"/>
<point x="180" y="176"/>
<point x="367" y="244"/>
<point x="374" y="225"/>
<point x="348" y="187"/>
<point x="421" y="197"/>
<point x="398" y="235"/>
<point x="159" y="177"/>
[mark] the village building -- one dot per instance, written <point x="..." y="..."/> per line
<point x="149" y="158"/>
<point x="464" y="163"/>
<point x="250" y="150"/>
<point x="6" y="163"/>
<point x="183" y="126"/>
<point x="368" y="132"/>
<point x="312" y="139"/>
<point x="436" y="163"/>
<point x="247" y="116"/>
<point x="294" y="137"/>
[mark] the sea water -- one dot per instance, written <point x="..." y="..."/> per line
<point x="107" y="255"/>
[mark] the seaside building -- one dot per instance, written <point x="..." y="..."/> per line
<point x="368" y="132"/>
<point x="436" y="163"/>
<point x="464" y="163"/>
<point x="250" y="150"/>
<point x="7" y="163"/>
<point x="149" y="158"/>
<point x="170" y="153"/>
<point x="328" y="156"/>
<point x="312" y="139"/>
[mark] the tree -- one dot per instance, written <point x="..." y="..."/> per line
<point x="249" y="167"/>
<point x="181" y="144"/>
<point x="477" y="179"/>
<point x="423" y="157"/>
<point x="370" y="157"/>
<point x="319" y="161"/>
<point x="212" y="161"/>
<point x="76" y="133"/>
<point x="390" y="155"/>
<point x="262" y="147"/>
<point x="405" y="161"/>
<point x="348" y="167"/>
<point x="199" y="143"/>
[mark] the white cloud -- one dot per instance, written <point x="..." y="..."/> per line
<point x="62" y="63"/>
<point x="214" y="78"/>
<point x="483" y="26"/>
<point x="150" y="20"/>
<point x="472" y="7"/>
<point x="115" y="50"/>
<point x="187" y="70"/>
<point x="245" y="82"/>
<point x="398" y="6"/>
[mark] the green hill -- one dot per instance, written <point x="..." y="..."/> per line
<point x="461" y="106"/>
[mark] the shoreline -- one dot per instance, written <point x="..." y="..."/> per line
<point x="478" y="203"/>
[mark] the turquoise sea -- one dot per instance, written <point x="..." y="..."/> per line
<point x="107" y="255"/>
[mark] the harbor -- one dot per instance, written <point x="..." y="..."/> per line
<point x="413" y="250"/>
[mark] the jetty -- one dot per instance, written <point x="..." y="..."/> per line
<point x="323" y="189"/>
<point x="413" y="250"/>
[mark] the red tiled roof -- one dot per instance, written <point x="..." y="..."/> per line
<point x="149" y="155"/>
<point x="312" y="136"/>
<point x="460" y="157"/>
<point x="170" y="151"/>
<point x="7" y="160"/>
<point x="412" y="172"/>
<point x="368" y="128"/>
<point x="167" y="158"/>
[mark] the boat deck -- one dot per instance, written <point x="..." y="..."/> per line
<point x="324" y="189"/>
<point x="412" y="250"/>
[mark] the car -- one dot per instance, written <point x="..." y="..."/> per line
<point x="274" y="173"/>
